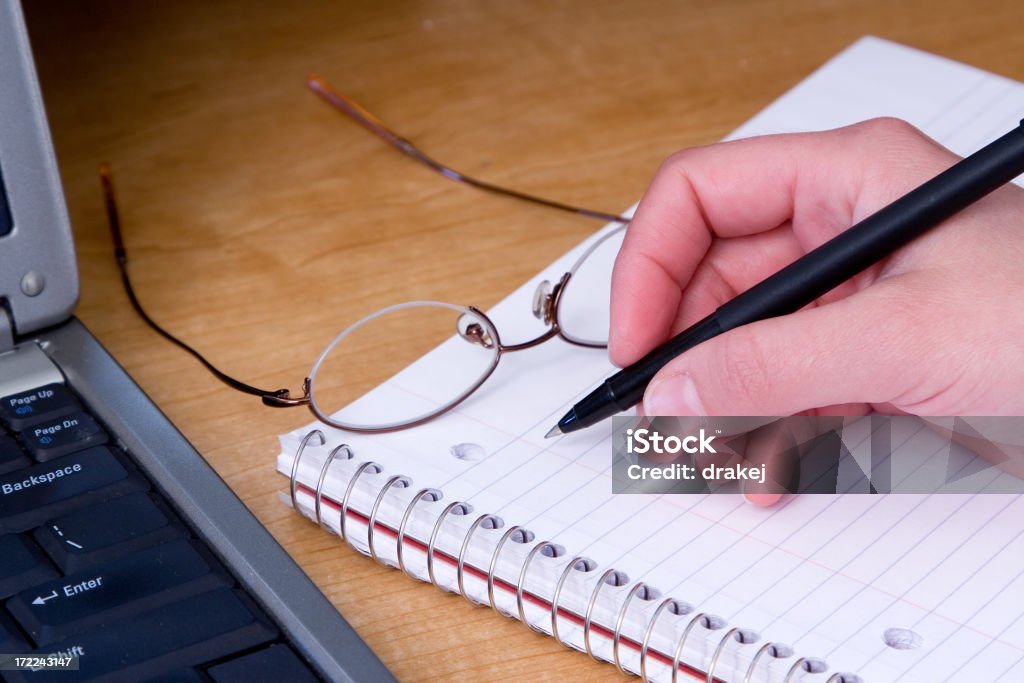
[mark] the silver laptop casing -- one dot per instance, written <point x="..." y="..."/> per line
<point x="38" y="278"/>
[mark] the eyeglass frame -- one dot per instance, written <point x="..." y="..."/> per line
<point x="545" y="310"/>
<point x="283" y="398"/>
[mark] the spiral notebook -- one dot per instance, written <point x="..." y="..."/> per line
<point x="819" y="588"/>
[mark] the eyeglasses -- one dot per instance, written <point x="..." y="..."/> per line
<point x="462" y="347"/>
<point x="462" y="344"/>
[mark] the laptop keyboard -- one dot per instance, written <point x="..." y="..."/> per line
<point x="95" y="564"/>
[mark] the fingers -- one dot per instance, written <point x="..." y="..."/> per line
<point x="846" y="352"/>
<point x="815" y="181"/>
<point x="728" y="190"/>
<point x="775" y="447"/>
<point x="785" y="449"/>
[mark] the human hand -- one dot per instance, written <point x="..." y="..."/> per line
<point x="935" y="329"/>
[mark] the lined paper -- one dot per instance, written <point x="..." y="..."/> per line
<point x="832" y="577"/>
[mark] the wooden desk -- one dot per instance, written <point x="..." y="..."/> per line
<point x="260" y="222"/>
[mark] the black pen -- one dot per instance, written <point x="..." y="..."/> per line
<point x="818" y="271"/>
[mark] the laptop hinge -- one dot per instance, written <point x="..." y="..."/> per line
<point x="26" y="367"/>
<point x="6" y="330"/>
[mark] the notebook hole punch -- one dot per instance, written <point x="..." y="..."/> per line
<point x="469" y="452"/>
<point x="810" y="665"/>
<point x="902" y="639"/>
<point x="772" y="650"/>
<point x="713" y="622"/>
<point x="844" y="678"/>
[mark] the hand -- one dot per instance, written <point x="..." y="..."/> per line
<point x="935" y="329"/>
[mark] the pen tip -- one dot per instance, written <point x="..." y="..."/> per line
<point x="553" y="432"/>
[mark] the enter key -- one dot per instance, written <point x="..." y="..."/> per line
<point x="118" y="590"/>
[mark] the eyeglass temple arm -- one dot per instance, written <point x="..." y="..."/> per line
<point x="278" y="398"/>
<point x="373" y="124"/>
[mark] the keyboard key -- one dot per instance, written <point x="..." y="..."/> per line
<point x="11" y="641"/>
<point x="21" y="566"/>
<point x="117" y="590"/>
<point x="97" y="534"/>
<point x="39" y="405"/>
<point x="59" y="437"/>
<point x="30" y="496"/>
<point x="276" y="663"/>
<point x="173" y="637"/>
<point x="181" y="676"/>
<point x="11" y="455"/>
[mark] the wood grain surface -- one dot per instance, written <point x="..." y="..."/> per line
<point x="260" y="222"/>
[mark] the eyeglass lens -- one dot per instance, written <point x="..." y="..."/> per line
<point x="438" y="354"/>
<point x="434" y="355"/>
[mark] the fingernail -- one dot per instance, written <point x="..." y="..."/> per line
<point x="676" y="395"/>
<point x="762" y="500"/>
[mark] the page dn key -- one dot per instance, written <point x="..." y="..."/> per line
<point x="63" y="435"/>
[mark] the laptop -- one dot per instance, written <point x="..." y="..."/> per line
<point x="123" y="556"/>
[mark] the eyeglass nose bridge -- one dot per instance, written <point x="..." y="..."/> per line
<point x="545" y="308"/>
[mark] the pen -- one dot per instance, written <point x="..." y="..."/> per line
<point x="818" y="271"/>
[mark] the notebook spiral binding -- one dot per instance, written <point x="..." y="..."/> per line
<point x="801" y="665"/>
<point x="460" y="568"/>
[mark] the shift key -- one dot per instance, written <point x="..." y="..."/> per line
<point x="171" y="638"/>
<point x="118" y="590"/>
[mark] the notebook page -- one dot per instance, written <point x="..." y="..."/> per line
<point x="828" y="576"/>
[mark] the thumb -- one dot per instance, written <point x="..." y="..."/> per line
<point x="849" y="351"/>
